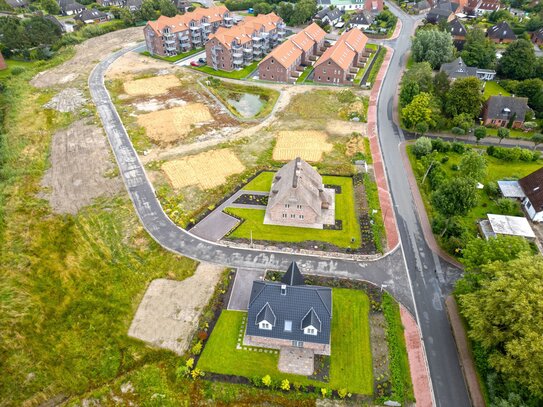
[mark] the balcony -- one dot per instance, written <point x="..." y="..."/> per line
<point x="238" y="61"/>
<point x="170" y="48"/>
<point x="195" y="28"/>
<point x="169" y="42"/>
<point x="264" y="34"/>
<point x="256" y="38"/>
<point x="237" y="54"/>
<point x="257" y="45"/>
<point x="248" y="50"/>
<point x="247" y="63"/>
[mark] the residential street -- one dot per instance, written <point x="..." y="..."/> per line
<point x="411" y="263"/>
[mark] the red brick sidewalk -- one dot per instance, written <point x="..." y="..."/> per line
<point x="418" y="365"/>
<point x="387" y="209"/>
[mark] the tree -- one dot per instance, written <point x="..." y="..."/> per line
<point x="473" y="165"/>
<point x="421" y="128"/>
<point x="433" y="46"/>
<point x="408" y="91"/>
<point x="502" y="134"/>
<point x="464" y="121"/>
<point x="455" y="197"/>
<point x="51" y="6"/>
<point x="418" y="111"/>
<point x="421" y="74"/>
<point x="537" y="139"/>
<point x="441" y="86"/>
<point x="127" y="17"/>
<point x="303" y="11"/>
<point x="422" y="147"/>
<point x="147" y="10"/>
<point x="464" y="96"/>
<point x="533" y="90"/>
<point x="285" y="10"/>
<point x="518" y="61"/>
<point x="262" y="8"/>
<point x="167" y="8"/>
<point x="479" y="252"/>
<point x="41" y="31"/>
<point x="458" y="131"/>
<point x="479" y="50"/>
<point x="479" y="133"/>
<point x="506" y="318"/>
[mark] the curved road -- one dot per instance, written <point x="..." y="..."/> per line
<point x="411" y="272"/>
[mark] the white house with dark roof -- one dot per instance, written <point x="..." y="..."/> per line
<point x="458" y="69"/>
<point x="532" y="186"/>
<point x="299" y="198"/>
<point x="289" y="314"/>
<point x="328" y="16"/>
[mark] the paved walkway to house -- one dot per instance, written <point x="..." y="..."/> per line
<point x="217" y="224"/>
<point x="241" y="289"/>
<point x="296" y="361"/>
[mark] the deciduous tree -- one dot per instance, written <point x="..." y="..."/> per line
<point x="418" y="111"/>
<point x="455" y="197"/>
<point x="480" y="252"/>
<point x="473" y="165"/>
<point x="433" y="46"/>
<point x="503" y="133"/>
<point x="518" y="61"/>
<point x="479" y="51"/>
<point x="51" y="6"/>
<point x="167" y="8"/>
<point x="464" y="96"/>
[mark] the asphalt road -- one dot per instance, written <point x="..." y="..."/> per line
<point x="430" y="276"/>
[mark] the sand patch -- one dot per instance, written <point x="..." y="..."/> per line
<point x="168" y="314"/>
<point x="306" y="144"/>
<point x="153" y="105"/>
<point x="156" y="85"/>
<point x="206" y="170"/>
<point x="133" y="63"/>
<point x="166" y="126"/>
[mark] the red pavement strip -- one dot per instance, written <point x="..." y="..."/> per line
<point x="387" y="211"/>
<point x="418" y="365"/>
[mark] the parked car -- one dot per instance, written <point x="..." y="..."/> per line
<point x="202" y="60"/>
<point x="194" y="63"/>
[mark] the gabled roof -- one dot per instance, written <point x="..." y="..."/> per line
<point x="242" y="33"/>
<point x="458" y="69"/>
<point x="295" y="305"/>
<point x="293" y="276"/>
<point x="311" y="319"/>
<point x="54" y="20"/>
<point x="300" y="182"/>
<point x="91" y="15"/>
<point x="532" y="185"/>
<point x="457" y="29"/>
<point x="331" y="14"/>
<point x="182" y="22"/>
<point x="363" y="17"/>
<point x="342" y="53"/>
<point x="439" y="12"/>
<point x="505" y="107"/>
<point x="315" y="32"/>
<point x="70" y="5"/>
<point x="303" y="41"/>
<point x="501" y="31"/>
<point x="266" y="314"/>
<point x="489" y="5"/>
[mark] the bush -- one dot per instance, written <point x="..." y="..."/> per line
<point x="189" y="363"/>
<point x="422" y="147"/>
<point x="458" y="131"/>
<point x="507" y="206"/>
<point x="436" y="176"/>
<point x="346" y="96"/>
<point x="197" y="348"/>
<point x="492" y="189"/>
<point x="444" y="159"/>
<point x="458" y="147"/>
<point x="512" y="154"/>
<point x="267" y="381"/>
<point x="342" y="393"/>
<point x="454" y="167"/>
<point x="285" y="385"/>
<point x="17" y="70"/>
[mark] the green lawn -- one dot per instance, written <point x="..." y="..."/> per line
<point x="494" y="89"/>
<point x="254" y="218"/>
<point x="362" y="71"/>
<point x="305" y="74"/>
<point x="262" y="182"/>
<point x="379" y="58"/>
<point x="350" y="364"/>
<point x="12" y="64"/>
<point x="174" y="58"/>
<point x="241" y="74"/>
<point x="526" y="135"/>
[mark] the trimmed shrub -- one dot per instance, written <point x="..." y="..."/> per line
<point x="422" y="147"/>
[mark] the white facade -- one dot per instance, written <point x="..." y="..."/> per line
<point x="530" y="210"/>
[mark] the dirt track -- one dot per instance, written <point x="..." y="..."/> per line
<point x="87" y="55"/>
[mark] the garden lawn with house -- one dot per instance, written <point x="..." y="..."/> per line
<point x="350" y="360"/>
<point x="447" y="175"/>
<point x="253" y="219"/>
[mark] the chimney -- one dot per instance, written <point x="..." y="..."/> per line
<point x="283" y="289"/>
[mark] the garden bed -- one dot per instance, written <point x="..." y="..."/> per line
<point x="250" y="199"/>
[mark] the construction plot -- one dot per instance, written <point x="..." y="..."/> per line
<point x="308" y="145"/>
<point x="156" y="85"/>
<point x="167" y="126"/>
<point x="205" y="170"/>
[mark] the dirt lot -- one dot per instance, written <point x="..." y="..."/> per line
<point x="309" y="145"/>
<point x="167" y="126"/>
<point x="133" y="63"/>
<point x="67" y="100"/>
<point x="87" y="55"/>
<point x="153" y="86"/>
<point x="206" y="170"/>
<point x="169" y="312"/>
<point x="80" y="159"/>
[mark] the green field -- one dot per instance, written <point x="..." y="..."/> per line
<point x="350" y="364"/>
<point x="362" y="71"/>
<point x="307" y="71"/>
<point x="21" y="64"/>
<point x="254" y="219"/>
<point x="494" y="89"/>
<point x="174" y="58"/>
<point x="241" y="74"/>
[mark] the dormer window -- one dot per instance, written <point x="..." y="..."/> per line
<point x="310" y="331"/>
<point x="265" y="325"/>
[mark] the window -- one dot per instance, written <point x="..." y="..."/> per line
<point x="272" y="61"/>
<point x="287" y="206"/>
<point x="292" y="216"/>
<point x="265" y="325"/>
<point x="324" y="71"/>
<point x="329" y="62"/>
<point x="298" y="206"/>
<point x="310" y="331"/>
<point x="284" y="215"/>
<point x="301" y="216"/>
<point x="288" y="326"/>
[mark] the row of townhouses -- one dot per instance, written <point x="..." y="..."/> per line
<point x="233" y="48"/>
<point x="169" y="36"/>
<point x="286" y="62"/>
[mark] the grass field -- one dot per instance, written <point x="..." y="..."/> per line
<point x="493" y="88"/>
<point x="174" y="58"/>
<point x="350" y="365"/>
<point x="20" y="64"/>
<point x="241" y="74"/>
<point x="307" y="71"/>
<point x="262" y="182"/>
<point x="345" y="211"/>
<point x="362" y="71"/>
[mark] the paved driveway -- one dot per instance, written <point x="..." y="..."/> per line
<point x="241" y="290"/>
<point x="214" y="226"/>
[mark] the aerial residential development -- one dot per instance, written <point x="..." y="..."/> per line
<point x="306" y="203"/>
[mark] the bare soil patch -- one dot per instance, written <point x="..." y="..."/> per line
<point x="79" y="164"/>
<point x="134" y="63"/>
<point x="167" y="126"/>
<point x="168" y="314"/>
<point x="344" y="128"/>
<point x="206" y="170"/>
<point x="86" y="57"/>
<point x="153" y="86"/>
<point x="309" y="145"/>
<point x="153" y="105"/>
<point x="67" y="100"/>
<point x="355" y="145"/>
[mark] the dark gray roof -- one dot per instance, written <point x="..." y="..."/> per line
<point x="505" y="107"/>
<point x="457" y="29"/>
<point x="440" y="12"/>
<point x="532" y="185"/>
<point x="458" y="69"/>
<point x="539" y="34"/>
<point x="323" y="2"/>
<point x="91" y="15"/>
<point x="70" y="5"/>
<point x="501" y="31"/>
<point x="17" y="3"/>
<point x="295" y="306"/>
<point x="331" y="14"/>
<point x="362" y="18"/>
<point x="422" y="5"/>
<point x="54" y="20"/>
<point x="134" y="4"/>
<point x="293" y="276"/>
<point x="311" y="319"/>
<point x="266" y="314"/>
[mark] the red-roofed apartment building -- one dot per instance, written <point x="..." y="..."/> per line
<point x="284" y="62"/>
<point x="339" y="63"/>
<point x="233" y="48"/>
<point x="169" y="36"/>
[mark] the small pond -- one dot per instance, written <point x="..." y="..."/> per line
<point x="247" y="104"/>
